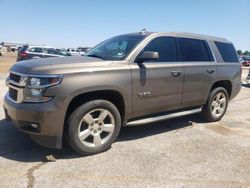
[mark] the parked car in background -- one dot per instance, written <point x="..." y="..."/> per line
<point x="245" y="61"/>
<point x="37" y="52"/>
<point x="73" y="51"/>
<point x="83" y="50"/>
<point x="13" y="48"/>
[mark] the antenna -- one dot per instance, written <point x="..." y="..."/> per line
<point x="143" y="31"/>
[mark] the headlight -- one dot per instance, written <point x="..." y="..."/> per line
<point x="36" y="86"/>
<point x="42" y="82"/>
<point x="35" y="81"/>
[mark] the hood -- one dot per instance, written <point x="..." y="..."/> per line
<point x="59" y="65"/>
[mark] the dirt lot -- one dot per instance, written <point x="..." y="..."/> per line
<point x="6" y="61"/>
<point x="173" y="153"/>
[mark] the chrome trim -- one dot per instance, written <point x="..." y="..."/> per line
<point x="22" y="84"/>
<point x="44" y="86"/>
<point x="163" y="117"/>
<point x="10" y="99"/>
<point x="19" y="94"/>
<point x="41" y="101"/>
<point x="38" y="75"/>
<point x="22" y="81"/>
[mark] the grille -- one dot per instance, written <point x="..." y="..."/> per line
<point x="15" y="77"/>
<point x="13" y="94"/>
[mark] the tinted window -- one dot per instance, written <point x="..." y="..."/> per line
<point x="36" y="50"/>
<point x="50" y="51"/>
<point x="227" y="52"/>
<point x="60" y="52"/>
<point x="166" y="48"/>
<point x="195" y="50"/>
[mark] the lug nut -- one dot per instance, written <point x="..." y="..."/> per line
<point x="100" y="124"/>
<point x="91" y="129"/>
<point x="99" y="129"/>
<point x="95" y="131"/>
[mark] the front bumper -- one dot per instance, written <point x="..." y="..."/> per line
<point x="48" y="117"/>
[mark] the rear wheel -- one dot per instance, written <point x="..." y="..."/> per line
<point x="216" y="105"/>
<point x="93" y="127"/>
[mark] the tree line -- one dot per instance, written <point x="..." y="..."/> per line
<point x="240" y="52"/>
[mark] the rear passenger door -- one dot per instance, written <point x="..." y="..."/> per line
<point x="157" y="86"/>
<point x="199" y="69"/>
<point x="36" y="52"/>
<point x="50" y="52"/>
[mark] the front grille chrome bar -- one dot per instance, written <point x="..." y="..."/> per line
<point x="18" y="85"/>
<point x="20" y="92"/>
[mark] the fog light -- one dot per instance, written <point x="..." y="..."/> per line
<point x="33" y="125"/>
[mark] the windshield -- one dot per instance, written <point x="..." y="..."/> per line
<point x="116" y="48"/>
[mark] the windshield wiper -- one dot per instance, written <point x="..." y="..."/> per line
<point x="97" y="56"/>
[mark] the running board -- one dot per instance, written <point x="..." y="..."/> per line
<point x="162" y="117"/>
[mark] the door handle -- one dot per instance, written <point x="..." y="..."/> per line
<point x="175" y="73"/>
<point x="210" y="71"/>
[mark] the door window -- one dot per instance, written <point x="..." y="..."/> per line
<point x="195" y="50"/>
<point x="36" y="50"/>
<point x="165" y="46"/>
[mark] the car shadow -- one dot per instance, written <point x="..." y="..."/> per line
<point x="246" y="85"/>
<point x="17" y="146"/>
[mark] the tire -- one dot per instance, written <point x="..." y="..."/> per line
<point x="93" y="127"/>
<point x="215" y="109"/>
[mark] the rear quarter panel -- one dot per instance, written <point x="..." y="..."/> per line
<point x="231" y="72"/>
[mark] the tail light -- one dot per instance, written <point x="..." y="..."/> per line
<point x="23" y="54"/>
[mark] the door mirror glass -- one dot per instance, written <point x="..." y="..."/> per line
<point x="147" y="56"/>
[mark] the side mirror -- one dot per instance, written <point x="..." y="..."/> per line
<point x="147" y="56"/>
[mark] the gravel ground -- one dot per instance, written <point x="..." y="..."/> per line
<point x="173" y="153"/>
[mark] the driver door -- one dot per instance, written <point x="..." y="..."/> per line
<point x="157" y="86"/>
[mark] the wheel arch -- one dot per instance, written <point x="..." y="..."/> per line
<point x="227" y="84"/>
<point x="112" y="96"/>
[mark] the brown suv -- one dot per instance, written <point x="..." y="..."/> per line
<point x="130" y="79"/>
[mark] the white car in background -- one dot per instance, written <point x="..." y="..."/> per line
<point x="73" y="51"/>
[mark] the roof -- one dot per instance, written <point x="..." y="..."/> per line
<point x="182" y="34"/>
<point x="200" y="36"/>
<point x="39" y="46"/>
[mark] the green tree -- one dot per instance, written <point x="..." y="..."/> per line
<point x="246" y="53"/>
<point x="239" y="52"/>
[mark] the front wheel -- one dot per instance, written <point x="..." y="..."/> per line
<point x="216" y="105"/>
<point x="93" y="127"/>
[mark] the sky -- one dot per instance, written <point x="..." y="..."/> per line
<point x="74" y="23"/>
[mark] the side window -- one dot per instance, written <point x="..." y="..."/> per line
<point x="165" y="46"/>
<point x="60" y="52"/>
<point x="50" y="51"/>
<point x="36" y="50"/>
<point x="227" y="51"/>
<point x="32" y="50"/>
<point x="194" y="50"/>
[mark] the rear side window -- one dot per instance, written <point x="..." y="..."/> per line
<point x="165" y="46"/>
<point x="50" y="51"/>
<point x="195" y="50"/>
<point x="37" y="50"/>
<point x="227" y="52"/>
